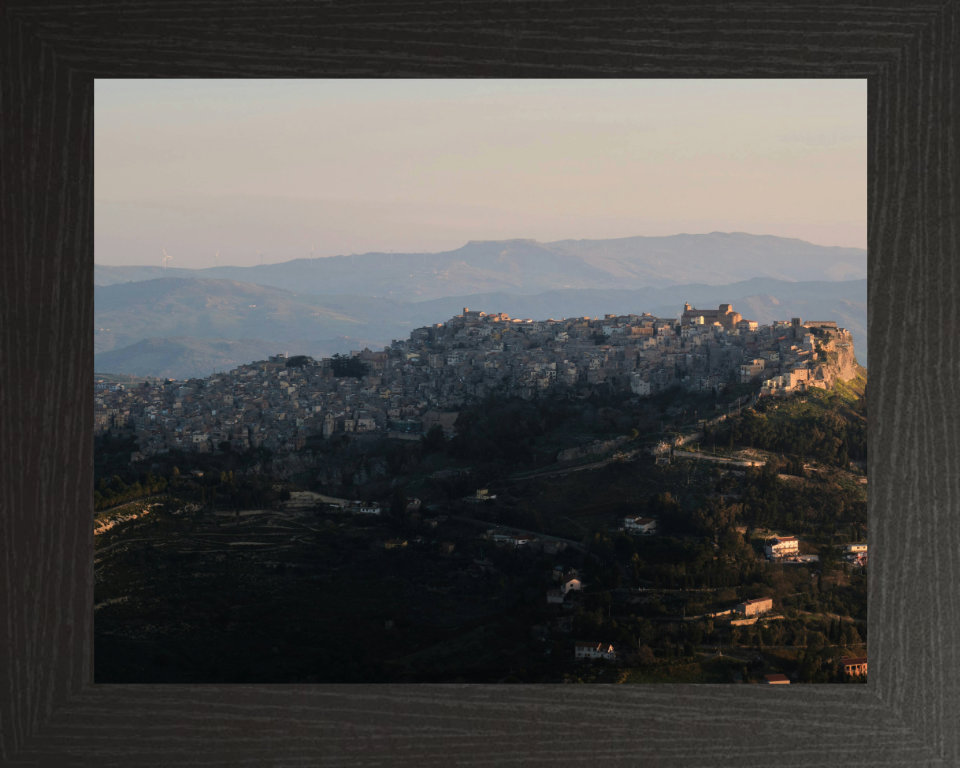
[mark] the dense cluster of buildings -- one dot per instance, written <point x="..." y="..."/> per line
<point x="418" y="383"/>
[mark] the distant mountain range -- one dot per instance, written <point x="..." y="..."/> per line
<point x="528" y="267"/>
<point x="180" y="327"/>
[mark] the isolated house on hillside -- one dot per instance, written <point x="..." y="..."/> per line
<point x="782" y="546"/>
<point x="857" y="666"/>
<point x="639" y="524"/>
<point x="555" y="596"/>
<point x="591" y="650"/>
<point x="755" y="607"/>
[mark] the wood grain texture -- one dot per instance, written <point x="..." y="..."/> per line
<point x="51" y="714"/>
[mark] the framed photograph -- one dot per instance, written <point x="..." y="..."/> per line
<point x="443" y="358"/>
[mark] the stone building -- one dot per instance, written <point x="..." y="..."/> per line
<point x="725" y="315"/>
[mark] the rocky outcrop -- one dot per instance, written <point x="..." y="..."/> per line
<point x="102" y="527"/>
<point x="839" y="364"/>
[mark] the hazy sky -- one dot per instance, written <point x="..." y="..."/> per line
<point x="281" y="166"/>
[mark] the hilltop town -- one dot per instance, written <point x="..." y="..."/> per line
<point x="627" y="499"/>
<point x="420" y="383"/>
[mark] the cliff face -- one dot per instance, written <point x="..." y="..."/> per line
<point x="840" y="363"/>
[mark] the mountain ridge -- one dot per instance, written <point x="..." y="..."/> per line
<point x="527" y="266"/>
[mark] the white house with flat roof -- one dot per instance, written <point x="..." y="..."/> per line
<point x="782" y="546"/>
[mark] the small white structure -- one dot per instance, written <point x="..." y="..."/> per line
<point x="855" y="548"/>
<point x="571" y="583"/>
<point x="555" y="596"/>
<point x="782" y="546"/>
<point x="639" y="524"/>
<point x="638" y="386"/>
<point x="594" y="651"/>
<point x="369" y="509"/>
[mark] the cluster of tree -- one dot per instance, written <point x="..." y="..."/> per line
<point x="505" y="431"/>
<point x="764" y="500"/>
<point x="345" y="365"/>
<point x="228" y="490"/>
<point x="111" y="456"/>
<point x="819" y="509"/>
<point x="819" y="663"/>
<point x="299" y="361"/>
<point x="829" y="437"/>
<point x="110" y="493"/>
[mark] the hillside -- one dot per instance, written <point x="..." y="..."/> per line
<point x="262" y="531"/>
<point x="226" y="309"/>
<point x="527" y="266"/>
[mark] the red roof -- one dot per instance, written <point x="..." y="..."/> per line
<point x="776" y="678"/>
<point x="849" y="662"/>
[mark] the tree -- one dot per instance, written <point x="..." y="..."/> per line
<point x="344" y="365"/>
<point x="398" y="505"/>
<point x="225" y="446"/>
<point x="299" y="361"/>
<point x="434" y="441"/>
<point x="645" y="655"/>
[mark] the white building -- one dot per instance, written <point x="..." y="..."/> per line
<point x="594" y="651"/>
<point x="754" y="607"/>
<point x="638" y="386"/>
<point x="782" y="546"/>
<point x="855" y="548"/>
<point x="572" y="583"/>
<point x="639" y="524"/>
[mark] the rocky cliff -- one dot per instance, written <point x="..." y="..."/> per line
<point x="838" y="362"/>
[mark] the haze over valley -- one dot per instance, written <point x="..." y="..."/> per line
<point x="333" y="305"/>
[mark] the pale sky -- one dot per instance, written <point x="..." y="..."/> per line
<point x="280" y="166"/>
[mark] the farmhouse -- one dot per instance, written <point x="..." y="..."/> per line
<point x="782" y="546"/>
<point x="755" y="607"/>
<point x="857" y="666"/>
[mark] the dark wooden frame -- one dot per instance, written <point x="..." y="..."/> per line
<point x="51" y="713"/>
